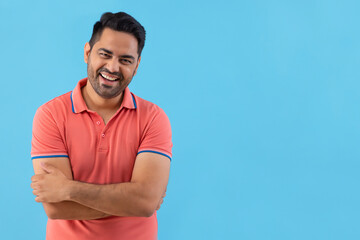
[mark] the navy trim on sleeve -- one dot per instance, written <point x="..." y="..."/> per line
<point x="50" y="156"/>
<point x="155" y="152"/>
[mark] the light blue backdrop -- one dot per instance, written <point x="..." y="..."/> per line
<point x="263" y="97"/>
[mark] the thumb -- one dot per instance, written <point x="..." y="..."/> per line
<point x="47" y="167"/>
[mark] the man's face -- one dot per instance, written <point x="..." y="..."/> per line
<point x="112" y="62"/>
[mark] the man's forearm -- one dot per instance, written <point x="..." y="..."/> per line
<point x="68" y="210"/>
<point x="140" y="197"/>
<point x="122" y="199"/>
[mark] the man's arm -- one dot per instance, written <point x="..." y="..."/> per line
<point x="66" y="209"/>
<point x="140" y="197"/>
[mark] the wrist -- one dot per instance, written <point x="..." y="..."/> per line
<point x="70" y="187"/>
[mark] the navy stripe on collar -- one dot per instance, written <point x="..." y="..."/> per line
<point x="133" y="100"/>
<point x="73" y="108"/>
<point x="72" y="103"/>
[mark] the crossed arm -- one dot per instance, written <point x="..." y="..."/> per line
<point x="64" y="198"/>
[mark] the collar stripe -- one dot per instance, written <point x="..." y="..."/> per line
<point x="133" y="101"/>
<point x="72" y="103"/>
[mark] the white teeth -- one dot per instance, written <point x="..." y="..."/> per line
<point x="107" y="77"/>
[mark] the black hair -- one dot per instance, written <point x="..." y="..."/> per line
<point x="121" y="22"/>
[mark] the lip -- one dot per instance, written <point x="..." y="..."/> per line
<point x="107" y="82"/>
<point x="110" y="75"/>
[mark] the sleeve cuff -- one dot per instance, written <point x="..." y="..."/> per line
<point x="155" y="152"/>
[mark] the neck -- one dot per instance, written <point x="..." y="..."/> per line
<point x="98" y="104"/>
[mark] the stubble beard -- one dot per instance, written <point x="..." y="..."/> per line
<point x="102" y="90"/>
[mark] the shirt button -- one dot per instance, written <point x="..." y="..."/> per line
<point x="103" y="135"/>
<point x="98" y="122"/>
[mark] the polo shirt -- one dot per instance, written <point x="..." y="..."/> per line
<point x="100" y="154"/>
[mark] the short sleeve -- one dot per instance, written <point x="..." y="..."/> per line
<point x="157" y="136"/>
<point x="46" y="137"/>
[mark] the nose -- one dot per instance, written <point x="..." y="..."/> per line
<point x="113" y="65"/>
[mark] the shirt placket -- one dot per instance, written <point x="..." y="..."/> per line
<point x="101" y="130"/>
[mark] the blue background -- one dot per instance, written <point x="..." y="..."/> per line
<point x="263" y="97"/>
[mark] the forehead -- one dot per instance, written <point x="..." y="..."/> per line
<point x="117" y="42"/>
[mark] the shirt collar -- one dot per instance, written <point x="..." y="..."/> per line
<point x="78" y="103"/>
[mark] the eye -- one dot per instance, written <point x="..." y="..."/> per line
<point x="126" y="61"/>
<point x="104" y="55"/>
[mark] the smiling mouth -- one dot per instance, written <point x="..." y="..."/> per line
<point x="109" y="78"/>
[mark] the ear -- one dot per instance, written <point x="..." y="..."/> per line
<point x="138" y="63"/>
<point x="87" y="50"/>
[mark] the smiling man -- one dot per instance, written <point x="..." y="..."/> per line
<point x="101" y="155"/>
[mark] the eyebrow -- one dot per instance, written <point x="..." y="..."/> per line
<point x="105" y="50"/>
<point x="128" y="56"/>
<point x="110" y="52"/>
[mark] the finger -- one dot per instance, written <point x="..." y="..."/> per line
<point x="35" y="178"/>
<point x="33" y="185"/>
<point x="159" y="205"/>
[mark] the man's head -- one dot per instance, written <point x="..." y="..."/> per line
<point x="121" y="22"/>
<point x="113" y="54"/>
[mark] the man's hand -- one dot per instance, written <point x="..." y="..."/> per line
<point x="51" y="186"/>
<point x="161" y="201"/>
<point x="138" y="198"/>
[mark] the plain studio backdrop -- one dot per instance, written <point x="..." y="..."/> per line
<point x="263" y="98"/>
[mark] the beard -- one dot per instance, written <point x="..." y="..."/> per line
<point x="103" y="90"/>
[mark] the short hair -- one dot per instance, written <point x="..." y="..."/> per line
<point x="121" y="22"/>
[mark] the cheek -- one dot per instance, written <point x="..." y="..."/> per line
<point x="129" y="72"/>
<point x="94" y="64"/>
<point x="92" y="70"/>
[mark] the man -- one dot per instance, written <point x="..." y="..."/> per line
<point x="101" y="155"/>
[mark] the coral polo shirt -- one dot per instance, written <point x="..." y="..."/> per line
<point x="101" y="154"/>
